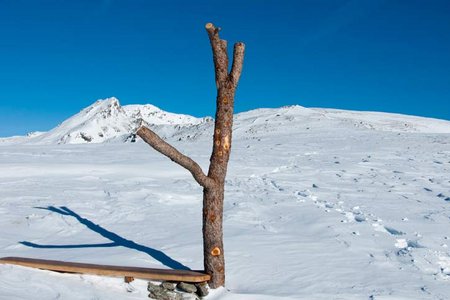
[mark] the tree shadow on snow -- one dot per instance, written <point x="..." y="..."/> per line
<point x="116" y="240"/>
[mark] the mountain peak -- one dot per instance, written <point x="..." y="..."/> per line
<point x="106" y="119"/>
<point x="105" y="108"/>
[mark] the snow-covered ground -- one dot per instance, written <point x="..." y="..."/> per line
<point x="320" y="204"/>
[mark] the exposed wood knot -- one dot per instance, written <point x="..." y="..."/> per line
<point x="217" y="131"/>
<point x="219" y="153"/>
<point x="209" y="25"/>
<point x="225" y="100"/>
<point x="215" y="251"/>
<point x="217" y="142"/>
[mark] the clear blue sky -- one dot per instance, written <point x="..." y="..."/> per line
<point x="57" y="57"/>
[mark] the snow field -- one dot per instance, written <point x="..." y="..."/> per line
<point x="317" y="207"/>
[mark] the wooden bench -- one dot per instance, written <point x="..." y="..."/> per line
<point x="115" y="271"/>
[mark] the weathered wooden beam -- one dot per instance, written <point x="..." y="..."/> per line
<point x="108" y="270"/>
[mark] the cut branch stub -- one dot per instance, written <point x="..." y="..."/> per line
<point x="215" y="251"/>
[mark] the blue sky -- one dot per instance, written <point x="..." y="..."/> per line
<point x="57" y="57"/>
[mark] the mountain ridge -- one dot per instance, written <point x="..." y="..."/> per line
<point x="106" y="121"/>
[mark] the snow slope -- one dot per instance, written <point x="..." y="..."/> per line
<point x="388" y="121"/>
<point x="318" y="206"/>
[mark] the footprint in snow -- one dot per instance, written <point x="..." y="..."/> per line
<point x="386" y="229"/>
<point x="444" y="264"/>
<point x="442" y="196"/>
<point x="405" y="246"/>
<point x="393" y="231"/>
<point x="353" y="217"/>
<point x="360" y="218"/>
<point x="301" y="196"/>
<point x="307" y="194"/>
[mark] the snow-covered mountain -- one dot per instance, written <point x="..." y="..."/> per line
<point x="106" y="121"/>
<point x="298" y="119"/>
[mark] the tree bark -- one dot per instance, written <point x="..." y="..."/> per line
<point x="213" y="183"/>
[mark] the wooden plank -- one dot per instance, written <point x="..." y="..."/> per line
<point x="115" y="271"/>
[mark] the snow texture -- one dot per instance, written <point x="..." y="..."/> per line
<point x="319" y="204"/>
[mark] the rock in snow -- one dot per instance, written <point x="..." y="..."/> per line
<point x="187" y="287"/>
<point x="158" y="292"/>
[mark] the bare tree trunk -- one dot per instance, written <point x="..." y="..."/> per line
<point x="213" y="250"/>
<point x="213" y="183"/>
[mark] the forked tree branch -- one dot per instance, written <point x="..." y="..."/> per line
<point x="238" y="60"/>
<point x="163" y="147"/>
